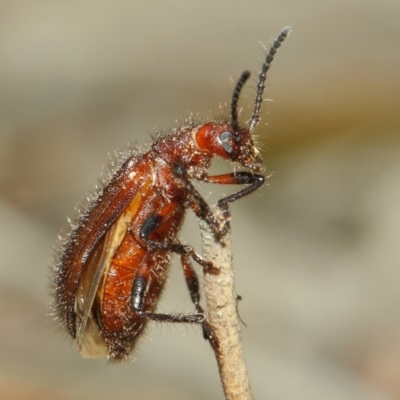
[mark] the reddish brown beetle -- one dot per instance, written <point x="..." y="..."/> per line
<point x="113" y="264"/>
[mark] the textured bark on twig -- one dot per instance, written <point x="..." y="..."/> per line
<point x="221" y="300"/>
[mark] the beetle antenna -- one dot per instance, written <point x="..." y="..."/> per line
<point x="235" y="98"/>
<point x="263" y="75"/>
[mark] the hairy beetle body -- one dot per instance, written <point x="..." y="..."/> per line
<point x="113" y="265"/>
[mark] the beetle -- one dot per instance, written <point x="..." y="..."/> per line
<point x="112" y="265"/>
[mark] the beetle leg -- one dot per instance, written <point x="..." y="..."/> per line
<point x="192" y="282"/>
<point x="140" y="284"/>
<point x="237" y="178"/>
<point x="203" y="211"/>
<point x="139" y="289"/>
<point x="151" y="224"/>
<point x="201" y="207"/>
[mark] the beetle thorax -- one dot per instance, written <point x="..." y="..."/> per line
<point x="179" y="147"/>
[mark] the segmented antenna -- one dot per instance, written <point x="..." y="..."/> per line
<point x="235" y="99"/>
<point x="263" y="76"/>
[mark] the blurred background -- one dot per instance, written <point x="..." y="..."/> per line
<point x="316" y="251"/>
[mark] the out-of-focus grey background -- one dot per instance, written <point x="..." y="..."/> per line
<point x="316" y="251"/>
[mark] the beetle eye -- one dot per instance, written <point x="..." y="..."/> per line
<point x="225" y="138"/>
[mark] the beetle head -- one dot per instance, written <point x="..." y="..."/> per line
<point x="230" y="140"/>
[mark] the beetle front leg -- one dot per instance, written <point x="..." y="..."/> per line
<point x="254" y="181"/>
<point x="202" y="209"/>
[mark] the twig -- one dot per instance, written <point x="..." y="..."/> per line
<point x="222" y="313"/>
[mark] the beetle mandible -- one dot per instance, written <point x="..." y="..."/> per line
<point x="112" y="266"/>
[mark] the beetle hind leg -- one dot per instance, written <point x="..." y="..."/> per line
<point x="192" y="282"/>
<point x="139" y="290"/>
